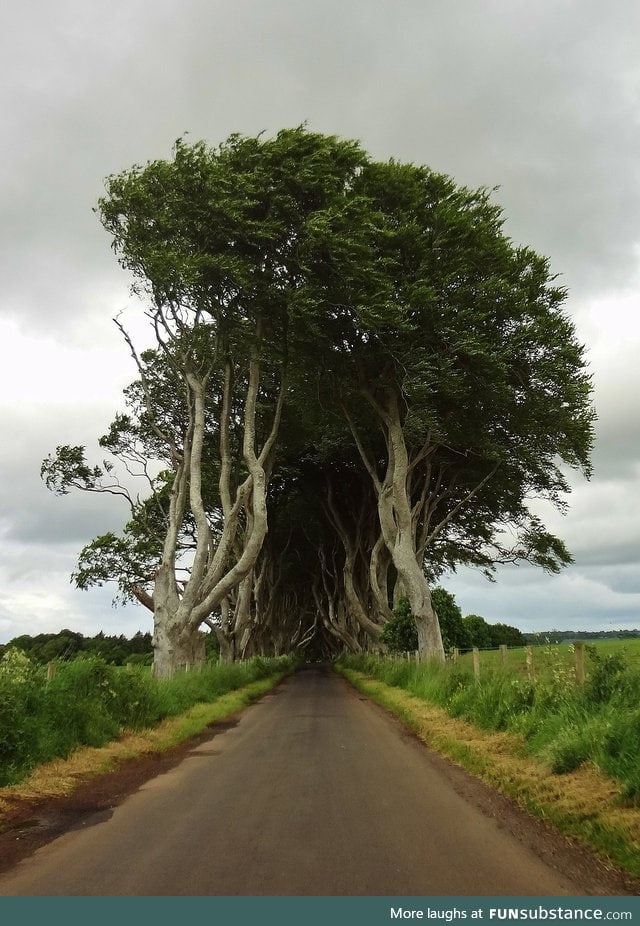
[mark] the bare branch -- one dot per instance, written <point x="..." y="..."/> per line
<point x="166" y="438"/>
<point x="439" y="527"/>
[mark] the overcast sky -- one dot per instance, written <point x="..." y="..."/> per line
<point x="540" y="99"/>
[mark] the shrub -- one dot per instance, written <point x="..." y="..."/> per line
<point x="453" y="631"/>
<point x="569" y="750"/>
<point x="78" y="707"/>
<point x="88" y="702"/>
<point x="20" y="706"/>
<point x="603" y="678"/>
<point x="400" y="634"/>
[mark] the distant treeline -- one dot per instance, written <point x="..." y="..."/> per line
<point x="68" y="644"/>
<point x="138" y="650"/>
<point x="568" y="636"/>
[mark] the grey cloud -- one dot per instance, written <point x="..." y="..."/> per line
<point x="534" y="602"/>
<point x="621" y="577"/>
<point x="540" y="100"/>
<point x="601" y="527"/>
<point x="617" y="446"/>
<point x="32" y="514"/>
<point x="86" y="612"/>
<point x="592" y="553"/>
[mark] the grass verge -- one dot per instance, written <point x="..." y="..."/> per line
<point x="583" y="804"/>
<point x="61" y="777"/>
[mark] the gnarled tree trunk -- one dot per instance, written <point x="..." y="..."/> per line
<point x="177" y="616"/>
<point x="397" y="524"/>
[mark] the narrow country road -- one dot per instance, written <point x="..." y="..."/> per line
<point x="315" y="791"/>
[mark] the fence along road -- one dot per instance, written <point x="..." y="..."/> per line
<point x="315" y="791"/>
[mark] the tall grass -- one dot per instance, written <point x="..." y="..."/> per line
<point x="563" y="723"/>
<point x="88" y="703"/>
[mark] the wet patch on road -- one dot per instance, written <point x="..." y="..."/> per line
<point x="28" y="824"/>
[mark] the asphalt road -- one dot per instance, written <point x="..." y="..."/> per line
<point x="315" y="791"/>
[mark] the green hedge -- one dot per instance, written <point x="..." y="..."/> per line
<point x="89" y="703"/>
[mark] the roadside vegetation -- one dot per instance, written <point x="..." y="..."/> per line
<point x="67" y="644"/>
<point x="568" y="753"/>
<point x="561" y="723"/>
<point x="88" y="702"/>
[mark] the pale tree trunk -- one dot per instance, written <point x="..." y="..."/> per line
<point x="299" y="640"/>
<point x="174" y="651"/>
<point x="350" y="541"/>
<point x="177" y="617"/>
<point x="243" y="616"/>
<point x="394" y="507"/>
<point x="378" y="580"/>
<point x="332" y="610"/>
<point x="223" y="630"/>
<point x="172" y="648"/>
<point x="355" y="606"/>
<point x="218" y="582"/>
<point x="175" y="646"/>
<point x="405" y="522"/>
<point x="414" y="585"/>
<point x="226" y="645"/>
<point x="397" y="525"/>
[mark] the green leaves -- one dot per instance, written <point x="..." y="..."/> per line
<point x="399" y="634"/>
<point x="130" y="561"/>
<point x="68" y="469"/>
<point x="390" y="296"/>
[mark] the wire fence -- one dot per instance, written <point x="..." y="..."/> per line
<point x="539" y="659"/>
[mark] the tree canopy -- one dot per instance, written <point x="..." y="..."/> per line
<point x="359" y="383"/>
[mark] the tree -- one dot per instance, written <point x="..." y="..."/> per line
<point x="467" y="366"/>
<point x="220" y="244"/>
<point x="454" y="632"/>
<point x="400" y="634"/>
<point x="505" y="635"/>
<point x="327" y="327"/>
<point x="479" y="631"/>
<point x="67" y="644"/>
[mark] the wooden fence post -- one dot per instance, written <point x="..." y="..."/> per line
<point x="51" y="670"/>
<point x="476" y="663"/>
<point x="579" y="651"/>
<point x="503" y="653"/>
<point x="455" y="654"/>
<point x="529" y="659"/>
